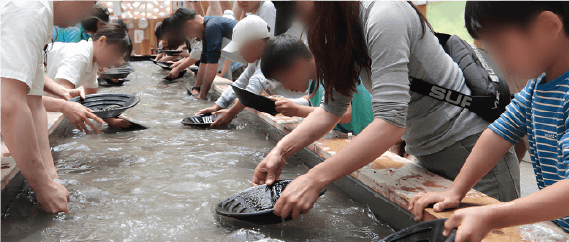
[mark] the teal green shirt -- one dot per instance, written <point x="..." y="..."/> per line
<point x="70" y="35"/>
<point x="362" y="113"/>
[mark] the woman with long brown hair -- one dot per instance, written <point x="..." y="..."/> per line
<point x="386" y="44"/>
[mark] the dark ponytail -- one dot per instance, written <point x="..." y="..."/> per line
<point x="116" y="35"/>
<point x="336" y="39"/>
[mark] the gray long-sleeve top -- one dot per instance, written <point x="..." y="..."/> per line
<point x="393" y="34"/>
<point x="253" y="80"/>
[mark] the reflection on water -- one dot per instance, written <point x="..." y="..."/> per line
<point x="162" y="184"/>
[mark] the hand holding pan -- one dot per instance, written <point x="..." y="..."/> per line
<point x="255" y="204"/>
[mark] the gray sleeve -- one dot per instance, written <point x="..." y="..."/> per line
<point x="388" y="43"/>
<point x="339" y="106"/>
<point x="242" y="82"/>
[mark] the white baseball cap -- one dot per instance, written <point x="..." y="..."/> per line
<point x="248" y="29"/>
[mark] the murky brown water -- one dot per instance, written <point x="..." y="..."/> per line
<point x="162" y="184"/>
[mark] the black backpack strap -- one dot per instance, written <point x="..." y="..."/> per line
<point x="476" y="104"/>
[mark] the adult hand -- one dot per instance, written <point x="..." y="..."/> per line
<point x="174" y="73"/>
<point x="473" y="223"/>
<point x="270" y="169"/>
<point x="442" y="200"/>
<point x="298" y="197"/>
<point x="287" y="107"/>
<point x="117" y="123"/>
<point x="224" y="119"/>
<point x="213" y="109"/>
<point x="79" y="115"/>
<point x="175" y="64"/>
<point x="52" y="197"/>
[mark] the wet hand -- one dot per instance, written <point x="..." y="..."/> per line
<point x="442" y="200"/>
<point x="79" y="116"/>
<point x="298" y="197"/>
<point x="287" y="107"/>
<point x="173" y="73"/>
<point x="269" y="170"/>
<point x="473" y="223"/>
<point x="215" y="108"/>
<point x="118" y="123"/>
<point x="224" y="119"/>
<point x="52" y="197"/>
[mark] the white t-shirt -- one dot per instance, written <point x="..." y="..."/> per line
<point x="26" y="27"/>
<point x="74" y="63"/>
<point x="268" y="12"/>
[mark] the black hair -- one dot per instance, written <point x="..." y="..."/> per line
<point x="177" y="21"/>
<point x="115" y="34"/>
<point x="121" y="23"/>
<point x="481" y="16"/>
<point x="99" y="13"/>
<point x="280" y="52"/>
<point x="171" y="32"/>
<point x="182" y="15"/>
<point x="158" y="33"/>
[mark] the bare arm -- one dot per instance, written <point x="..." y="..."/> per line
<point x="225" y="67"/>
<point x="210" y="71"/>
<point x="292" y="109"/>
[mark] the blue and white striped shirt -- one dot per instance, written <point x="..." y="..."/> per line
<point x="541" y="112"/>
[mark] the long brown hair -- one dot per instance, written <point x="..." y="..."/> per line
<point x="337" y="42"/>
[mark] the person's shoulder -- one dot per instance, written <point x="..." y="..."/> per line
<point x="387" y="12"/>
<point x="267" y="6"/>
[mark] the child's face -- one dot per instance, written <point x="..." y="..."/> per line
<point x="252" y="50"/>
<point x="522" y="52"/>
<point x="297" y="76"/>
<point x="107" y="55"/>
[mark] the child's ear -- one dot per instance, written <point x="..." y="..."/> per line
<point x="551" y="23"/>
<point x="102" y="39"/>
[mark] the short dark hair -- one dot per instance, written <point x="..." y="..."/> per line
<point x="280" y="52"/>
<point x="122" y="24"/>
<point x="480" y="16"/>
<point x="115" y="34"/>
<point x="182" y="15"/>
<point x="99" y="13"/>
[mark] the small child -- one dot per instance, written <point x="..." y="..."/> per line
<point x="288" y="60"/>
<point x="75" y="65"/>
<point x="249" y="38"/>
<point x="528" y="39"/>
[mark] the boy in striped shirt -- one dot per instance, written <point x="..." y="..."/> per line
<point x="527" y="38"/>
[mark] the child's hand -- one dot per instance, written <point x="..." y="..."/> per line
<point x="475" y="223"/>
<point x="225" y="118"/>
<point x="287" y="107"/>
<point x="442" y="200"/>
<point x="118" y="123"/>
<point x="71" y="93"/>
<point x="215" y="108"/>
